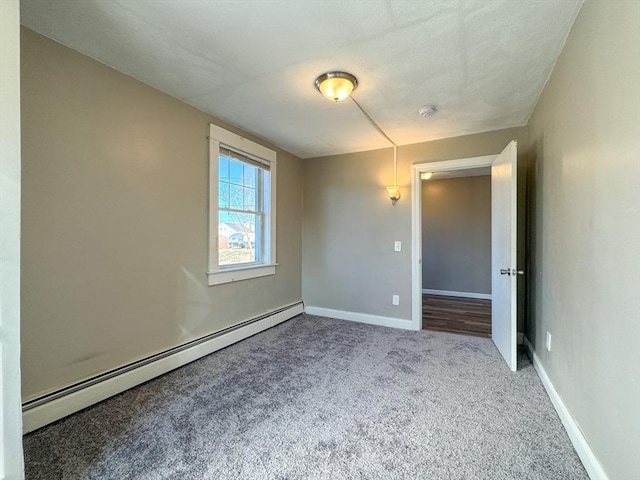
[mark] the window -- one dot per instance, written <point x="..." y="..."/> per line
<point x="242" y="180"/>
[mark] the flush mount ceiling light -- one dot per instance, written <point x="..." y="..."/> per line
<point x="336" y="86"/>
<point x="426" y="175"/>
<point x="427" y="110"/>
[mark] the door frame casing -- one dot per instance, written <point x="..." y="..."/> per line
<point x="11" y="458"/>
<point x="416" y="221"/>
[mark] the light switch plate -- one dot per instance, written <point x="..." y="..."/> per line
<point x="397" y="246"/>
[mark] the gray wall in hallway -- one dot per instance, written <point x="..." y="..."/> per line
<point x="456" y="234"/>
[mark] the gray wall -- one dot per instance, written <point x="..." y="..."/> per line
<point x="350" y="225"/>
<point x="114" y="227"/>
<point x="585" y="221"/>
<point x="456" y="234"/>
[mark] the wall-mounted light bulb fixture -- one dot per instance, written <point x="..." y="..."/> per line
<point x="394" y="193"/>
<point x="394" y="190"/>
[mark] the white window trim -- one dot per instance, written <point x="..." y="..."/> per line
<point x="218" y="275"/>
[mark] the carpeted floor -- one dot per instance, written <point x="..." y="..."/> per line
<point x="316" y="398"/>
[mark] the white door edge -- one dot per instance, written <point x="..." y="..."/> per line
<point x="504" y="254"/>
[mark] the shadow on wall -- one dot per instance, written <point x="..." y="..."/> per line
<point x="534" y="229"/>
<point x="194" y="306"/>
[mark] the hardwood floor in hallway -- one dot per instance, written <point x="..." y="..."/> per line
<point x="470" y="316"/>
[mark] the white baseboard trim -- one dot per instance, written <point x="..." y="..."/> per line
<point x="588" y="458"/>
<point x="359" y="317"/>
<point x="39" y="413"/>
<point x="448" y="293"/>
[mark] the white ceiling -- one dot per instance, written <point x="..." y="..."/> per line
<point x="253" y="63"/>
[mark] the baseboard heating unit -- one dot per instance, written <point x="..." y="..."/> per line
<point x="53" y="406"/>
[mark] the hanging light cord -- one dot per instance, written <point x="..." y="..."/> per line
<point x="377" y="127"/>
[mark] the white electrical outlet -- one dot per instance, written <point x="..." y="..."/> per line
<point x="395" y="300"/>
<point x="397" y="246"/>
<point x="547" y="342"/>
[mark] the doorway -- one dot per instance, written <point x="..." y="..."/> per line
<point x="464" y="164"/>
<point x="456" y="251"/>
<point x="504" y="270"/>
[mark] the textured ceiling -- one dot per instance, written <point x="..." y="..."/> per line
<point x="253" y="63"/>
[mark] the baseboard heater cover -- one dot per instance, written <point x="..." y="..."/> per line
<point x="53" y="406"/>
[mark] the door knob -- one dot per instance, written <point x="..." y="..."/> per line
<point x="511" y="271"/>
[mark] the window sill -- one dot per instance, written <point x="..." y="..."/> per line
<point x="240" y="273"/>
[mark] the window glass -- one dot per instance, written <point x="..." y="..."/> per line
<point x="223" y="169"/>
<point x="239" y="217"/>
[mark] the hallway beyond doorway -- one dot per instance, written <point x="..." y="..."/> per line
<point x="469" y="316"/>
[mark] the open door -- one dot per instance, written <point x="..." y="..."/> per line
<point x="504" y="273"/>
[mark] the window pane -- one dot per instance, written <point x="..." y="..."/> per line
<point x="266" y="183"/>
<point x="257" y="237"/>
<point x="235" y="172"/>
<point x="250" y="176"/>
<point x="236" y="197"/>
<point x="223" y="168"/>
<point x="223" y="195"/>
<point x="249" y="199"/>
<point x="237" y="238"/>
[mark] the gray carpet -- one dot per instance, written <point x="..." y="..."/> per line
<point x="316" y="398"/>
